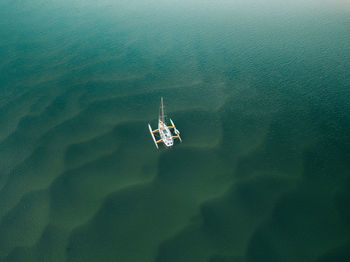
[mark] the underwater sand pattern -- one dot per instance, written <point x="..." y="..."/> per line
<point x="262" y="173"/>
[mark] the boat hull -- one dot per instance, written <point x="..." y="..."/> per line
<point x="165" y="134"/>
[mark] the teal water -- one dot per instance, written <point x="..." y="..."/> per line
<point x="258" y="89"/>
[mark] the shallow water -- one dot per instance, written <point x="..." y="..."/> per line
<point x="258" y="89"/>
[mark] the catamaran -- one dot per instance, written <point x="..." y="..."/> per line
<point x="163" y="130"/>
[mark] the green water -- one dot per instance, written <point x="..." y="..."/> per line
<point x="258" y="89"/>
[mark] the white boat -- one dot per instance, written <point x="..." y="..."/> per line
<point x="164" y="131"/>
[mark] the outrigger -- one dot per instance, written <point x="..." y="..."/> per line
<point x="163" y="130"/>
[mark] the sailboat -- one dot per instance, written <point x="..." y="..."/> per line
<point x="163" y="130"/>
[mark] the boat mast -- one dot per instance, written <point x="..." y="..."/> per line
<point x="162" y="109"/>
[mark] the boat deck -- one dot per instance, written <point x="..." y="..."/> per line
<point x="165" y="134"/>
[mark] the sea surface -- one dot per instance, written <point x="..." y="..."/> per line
<point x="260" y="90"/>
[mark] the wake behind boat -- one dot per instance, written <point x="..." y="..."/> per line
<point x="163" y="130"/>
